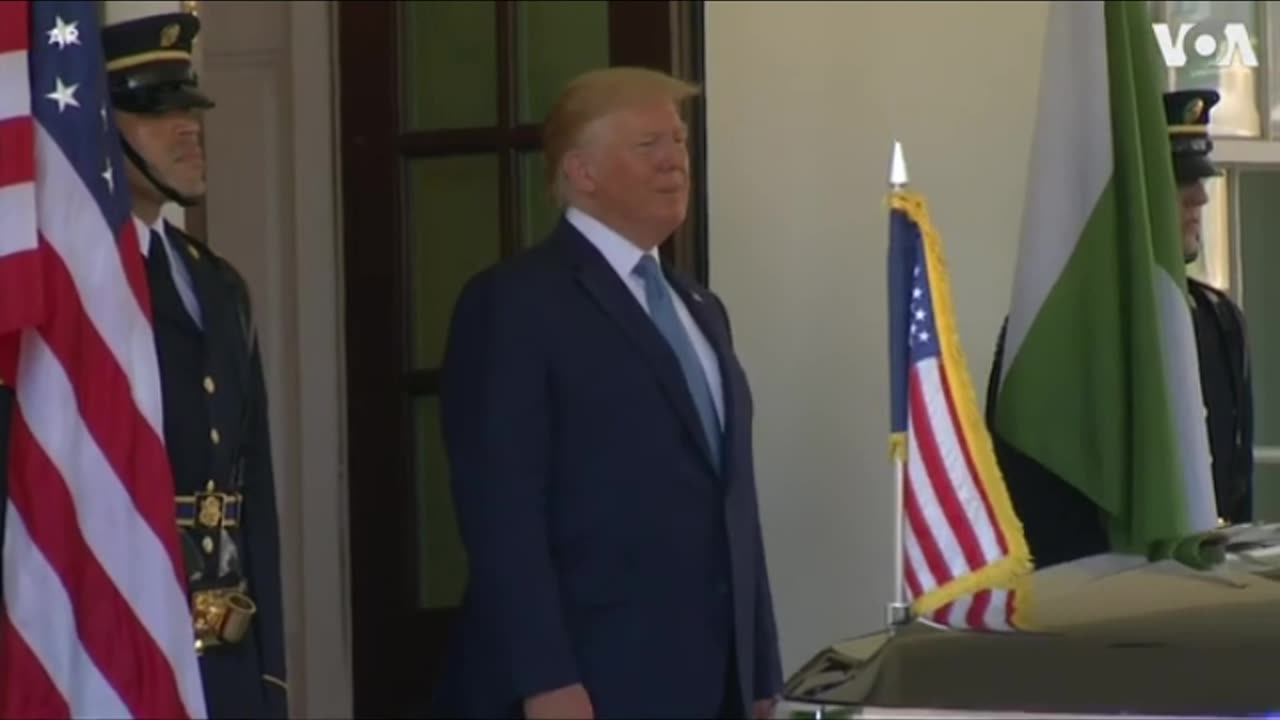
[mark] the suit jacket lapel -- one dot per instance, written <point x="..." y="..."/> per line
<point x="611" y="294"/>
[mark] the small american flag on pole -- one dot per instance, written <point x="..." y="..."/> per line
<point x="962" y="544"/>
<point x="95" y="619"/>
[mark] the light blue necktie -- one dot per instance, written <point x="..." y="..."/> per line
<point x="663" y="312"/>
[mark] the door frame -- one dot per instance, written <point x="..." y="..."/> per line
<point x="397" y="647"/>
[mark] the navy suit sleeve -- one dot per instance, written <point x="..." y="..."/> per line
<point x="768" y="664"/>
<point x="496" y="415"/>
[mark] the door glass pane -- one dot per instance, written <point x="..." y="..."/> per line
<point x="1266" y="492"/>
<point x="453" y="232"/>
<point x="442" y="573"/>
<point x="1260" y="256"/>
<point x="538" y="213"/>
<point x="449" y="68"/>
<point x="557" y="41"/>
<point x="1270" y="62"/>
<point x="1218" y="37"/>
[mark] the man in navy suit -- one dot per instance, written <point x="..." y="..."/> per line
<point x="598" y="427"/>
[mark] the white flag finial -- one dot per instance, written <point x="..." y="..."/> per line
<point x="898" y="168"/>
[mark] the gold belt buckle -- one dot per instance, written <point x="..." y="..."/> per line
<point x="221" y="616"/>
<point x="210" y="509"/>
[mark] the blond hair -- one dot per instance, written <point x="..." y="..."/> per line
<point x="594" y="95"/>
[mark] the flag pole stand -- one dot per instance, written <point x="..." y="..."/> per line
<point x="898" y="611"/>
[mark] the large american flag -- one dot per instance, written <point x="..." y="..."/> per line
<point x="95" y="621"/>
<point x="962" y="542"/>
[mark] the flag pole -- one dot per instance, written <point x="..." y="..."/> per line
<point x="898" y="611"/>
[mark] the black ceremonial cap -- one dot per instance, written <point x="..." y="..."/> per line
<point x="149" y="64"/>
<point x="1187" y="112"/>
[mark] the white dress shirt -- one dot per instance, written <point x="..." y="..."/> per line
<point x="177" y="268"/>
<point x="623" y="256"/>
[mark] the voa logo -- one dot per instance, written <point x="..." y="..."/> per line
<point x="1235" y="36"/>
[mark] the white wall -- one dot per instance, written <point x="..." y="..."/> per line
<point x="804" y="102"/>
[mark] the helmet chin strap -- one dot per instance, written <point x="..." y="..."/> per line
<point x="164" y="189"/>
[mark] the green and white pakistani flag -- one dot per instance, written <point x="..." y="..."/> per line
<point x="1100" y="382"/>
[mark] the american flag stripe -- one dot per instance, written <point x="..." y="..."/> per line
<point x="18" y="304"/>
<point x="40" y="696"/>
<point x="937" y="503"/>
<point x="17" y="164"/>
<point x="136" y="277"/>
<point x="987" y="610"/>
<point x="90" y="533"/>
<point x="929" y="511"/>
<point x="933" y="550"/>
<point x="96" y="260"/>
<point x="15" y="24"/>
<point x="47" y="674"/>
<point x="88" y="275"/>
<point x="944" y="454"/>
<point x="17" y="154"/>
<point x="946" y="509"/>
<point x="976" y="500"/>
<point x="13" y="69"/>
<point x="103" y="627"/>
<point x="916" y="572"/>
<point x="97" y="621"/>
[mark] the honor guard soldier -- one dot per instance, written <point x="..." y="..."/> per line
<point x="1221" y="340"/>
<point x="1061" y="523"/>
<point x="214" y="398"/>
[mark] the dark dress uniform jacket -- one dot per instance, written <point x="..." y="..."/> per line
<point x="215" y="426"/>
<point x="1228" y="398"/>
